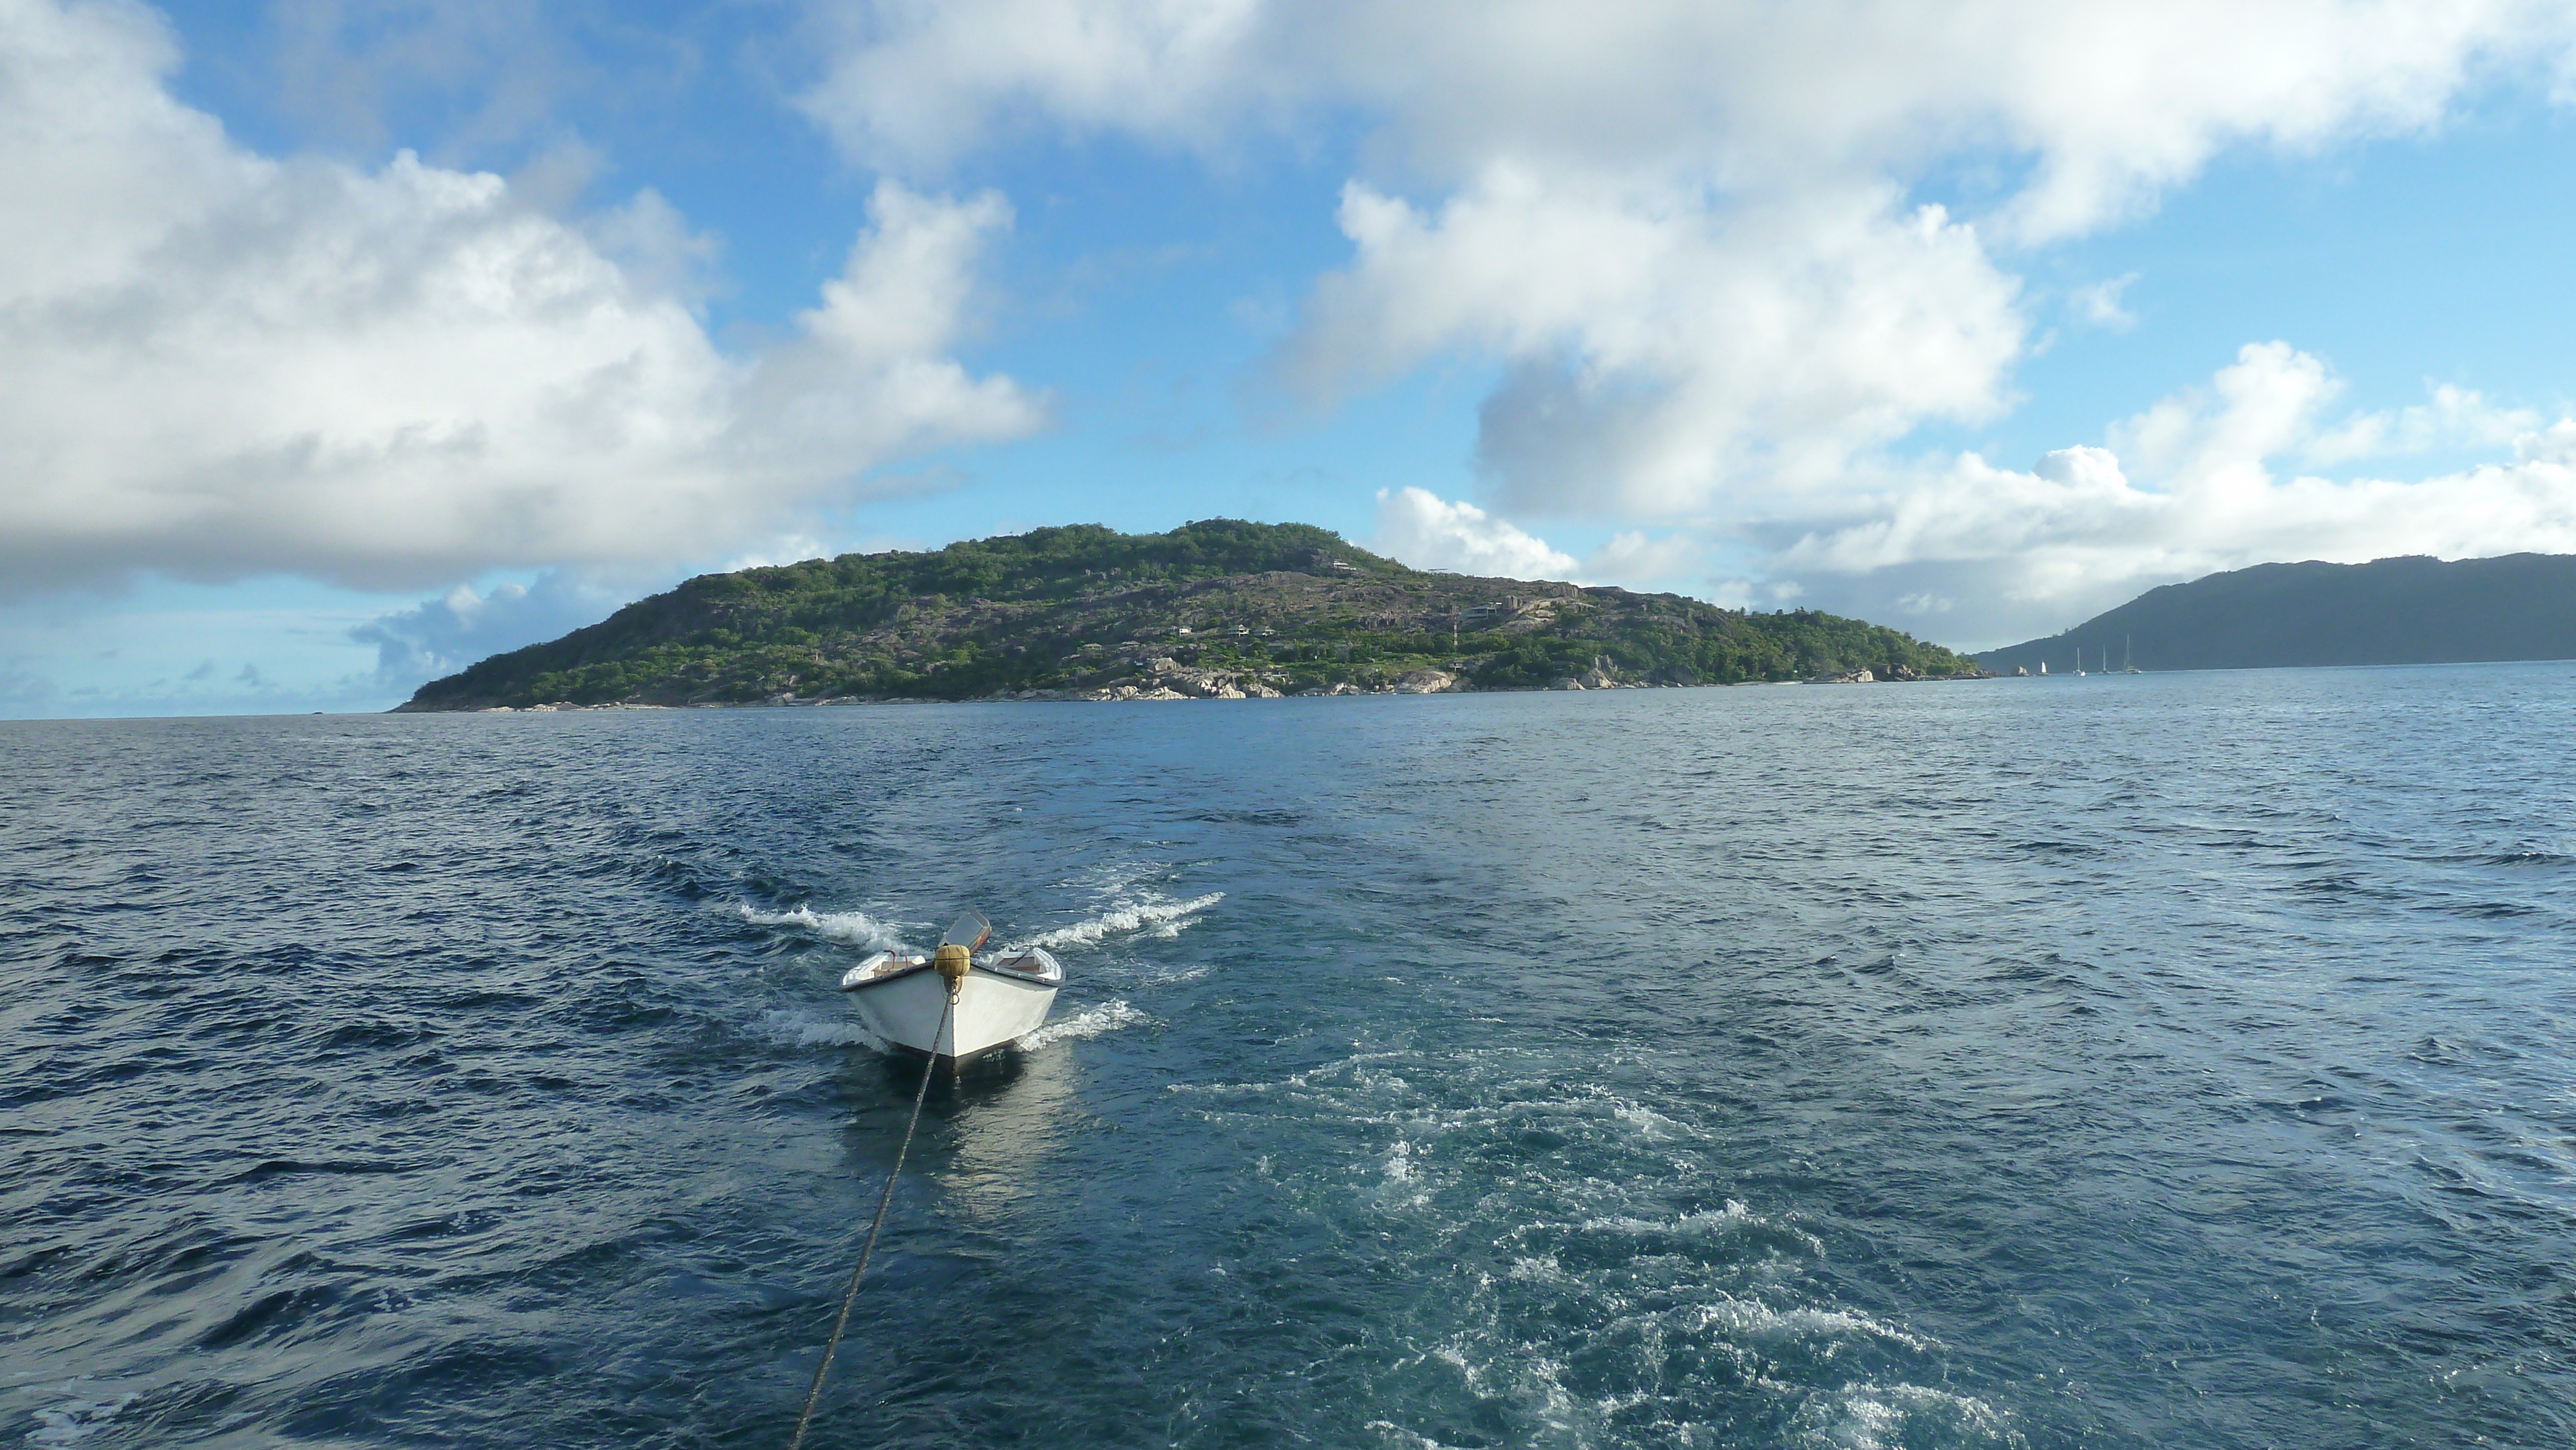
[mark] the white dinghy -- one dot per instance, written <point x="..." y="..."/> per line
<point x="997" y="998"/>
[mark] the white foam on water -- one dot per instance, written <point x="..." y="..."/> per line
<point x="1706" y="1220"/>
<point x="1399" y="1163"/>
<point x="1866" y="1424"/>
<point x="855" y="928"/>
<point x="1496" y="1358"/>
<point x="1164" y="918"/>
<point x="1875" y="1416"/>
<point x="804" y="1029"/>
<point x="1349" y="1086"/>
<point x="1687" y="1294"/>
<point x="75" y="1421"/>
<point x="1649" y="1124"/>
<point x="1734" y="1215"/>
<point x="1107" y="1017"/>
<point x="1411" y="1440"/>
<point x="1218" y="1087"/>
<point x="1754" y="1318"/>
<point x="1408" y="1183"/>
<point x="1169" y="979"/>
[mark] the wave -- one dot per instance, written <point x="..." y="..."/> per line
<point x="854" y="928"/>
<point x="2528" y="857"/>
<point x="1161" y="918"/>
<point x="75" y="1421"/>
<point x="1107" y="1017"/>
<point x="2524" y="858"/>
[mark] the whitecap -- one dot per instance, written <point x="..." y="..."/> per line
<point x="1107" y="1017"/>
<point x="855" y="928"/>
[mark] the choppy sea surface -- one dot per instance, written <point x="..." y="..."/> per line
<point x="2182" y="1060"/>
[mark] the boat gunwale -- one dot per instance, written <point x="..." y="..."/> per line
<point x="1005" y="973"/>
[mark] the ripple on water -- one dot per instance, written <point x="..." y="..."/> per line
<point x="2160" y="1061"/>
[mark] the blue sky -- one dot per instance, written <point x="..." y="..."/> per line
<point x="349" y="340"/>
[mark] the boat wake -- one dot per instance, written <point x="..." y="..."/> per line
<point x="1164" y="919"/>
<point x="1106" y="1018"/>
<point x="804" y="1029"/>
<point x="1873" y="1416"/>
<point x="1151" y="916"/>
<point x="852" y="928"/>
<point x="1130" y="913"/>
<point x="1614" y="1283"/>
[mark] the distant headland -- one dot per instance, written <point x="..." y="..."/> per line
<point x="1219" y="609"/>
<point x="2405" y="611"/>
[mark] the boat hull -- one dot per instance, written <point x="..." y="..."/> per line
<point x="994" y="1009"/>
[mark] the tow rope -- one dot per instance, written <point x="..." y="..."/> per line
<point x="850" y="1295"/>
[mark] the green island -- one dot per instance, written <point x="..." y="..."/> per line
<point x="1217" y="609"/>
<point x="2410" y="610"/>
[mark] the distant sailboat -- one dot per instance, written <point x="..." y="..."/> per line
<point x="2128" y="664"/>
<point x="2079" y="662"/>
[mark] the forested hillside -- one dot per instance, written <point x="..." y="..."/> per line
<point x="1213" y="608"/>
<point x="2388" y="612"/>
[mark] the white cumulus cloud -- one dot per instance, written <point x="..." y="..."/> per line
<point x="441" y="636"/>
<point x="2098" y="303"/>
<point x="216" y="364"/>
<point x="1662" y="359"/>
<point x="2212" y="477"/>
<point x="1418" y="527"/>
<point x="1691" y="230"/>
<point x="2189" y="486"/>
<point x="1639" y="561"/>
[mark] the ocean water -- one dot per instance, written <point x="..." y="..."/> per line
<point x="2182" y="1060"/>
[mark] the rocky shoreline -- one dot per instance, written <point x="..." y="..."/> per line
<point x="1165" y="679"/>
